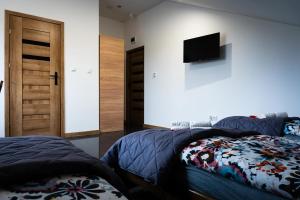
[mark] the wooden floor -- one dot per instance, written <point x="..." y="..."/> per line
<point x="108" y="139"/>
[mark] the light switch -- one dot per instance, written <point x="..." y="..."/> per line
<point x="73" y="69"/>
<point x="154" y="74"/>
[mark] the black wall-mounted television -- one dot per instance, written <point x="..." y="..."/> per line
<point x="201" y="48"/>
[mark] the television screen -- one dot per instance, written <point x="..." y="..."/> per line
<point x="201" y="48"/>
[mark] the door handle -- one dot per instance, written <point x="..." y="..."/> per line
<point x="1" y="84"/>
<point x="55" y="77"/>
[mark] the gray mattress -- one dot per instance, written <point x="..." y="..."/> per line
<point x="221" y="188"/>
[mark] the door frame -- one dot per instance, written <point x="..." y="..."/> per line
<point x="9" y="13"/>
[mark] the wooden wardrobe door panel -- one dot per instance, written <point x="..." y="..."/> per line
<point x="35" y="56"/>
<point x="111" y="84"/>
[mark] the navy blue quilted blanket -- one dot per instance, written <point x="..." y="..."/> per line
<point x="154" y="154"/>
<point x="267" y="126"/>
<point x="25" y="159"/>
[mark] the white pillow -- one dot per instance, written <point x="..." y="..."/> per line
<point x="194" y="125"/>
<point x="270" y="115"/>
<point x="282" y="114"/>
<point x="177" y="125"/>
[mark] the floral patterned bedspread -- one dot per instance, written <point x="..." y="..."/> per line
<point x="264" y="162"/>
<point x="64" y="188"/>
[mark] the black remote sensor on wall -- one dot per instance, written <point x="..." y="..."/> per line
<point x="132" y="40"/>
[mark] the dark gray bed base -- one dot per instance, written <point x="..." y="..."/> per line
<point x="137" y="185"/>
<point x="150" y="191"/>
<point x="219" y="187"/>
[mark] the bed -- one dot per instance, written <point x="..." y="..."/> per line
<point x="211" y="162"/>
<point x="52" y="168"/>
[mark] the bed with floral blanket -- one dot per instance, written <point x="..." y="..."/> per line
<point x="65" y="187"/>
<point x="39" y="167"/>
<point x="265" y="162"/>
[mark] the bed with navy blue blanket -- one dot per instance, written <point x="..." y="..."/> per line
<point x="52" y="168"/>
<point x="244" y="150"/>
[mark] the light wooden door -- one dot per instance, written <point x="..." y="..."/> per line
<point x="111" y="84"/>
<point x="35" y="77"/>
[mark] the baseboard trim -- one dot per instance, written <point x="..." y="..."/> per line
<point x="111" y="132"/>
<point x="149" y="126"/>
<point x="83" y="134"/>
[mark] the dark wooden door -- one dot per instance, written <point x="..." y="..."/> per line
<point x="35" y="77"/>
<point x="135" y="89"/>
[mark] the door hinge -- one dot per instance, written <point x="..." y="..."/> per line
<point x="9" y="31"/>
<point x="8" y="65"/>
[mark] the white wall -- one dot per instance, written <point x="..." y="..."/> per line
<point x="81" y="19"/>
<point x="111" y="27"/>
<point x="259" y="74"/>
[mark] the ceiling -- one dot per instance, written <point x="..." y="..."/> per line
<point x="122" y="10"/>
<point x="284" y="11"/>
